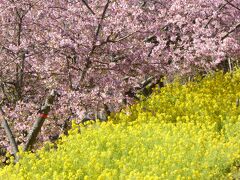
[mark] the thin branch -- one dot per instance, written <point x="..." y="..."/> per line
<point x="69" y="74"/>
<point x="121" y="38"/>
<point x="233" y="5"/>
<point x="20" y="81"/>
<point x="114" y="40"/>
<point x="125" y="37"/>
<point x="151" y="50"/>
<point x="89" y="8"/>
<point x="88" y="59"/>
<point x="101" y="20"/>
<point x="8" y="50"/>
<point x="231" y="31"/>
<point x="218" y="10"/>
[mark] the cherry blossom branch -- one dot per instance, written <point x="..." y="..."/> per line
<point x="114" y="40"/>
<point x="8" y="50"/>
<point x="218" y="10"/>
<point x="231" y="31"/>
<point x="20" y="68"/>
<point x="69" y="74"/>
<point x="20" y="75"/>
<point x="88" y="59"/>
<point x="89" y="8"/>
<point x="101" y="20"/>
<point x="231" y="4"/>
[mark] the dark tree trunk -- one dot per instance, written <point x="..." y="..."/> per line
<point x="43" y="113"/>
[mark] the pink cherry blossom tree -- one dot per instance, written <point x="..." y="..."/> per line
<point x="98" y="54"/>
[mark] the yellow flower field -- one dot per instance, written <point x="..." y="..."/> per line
<point x="189" y="131"/>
